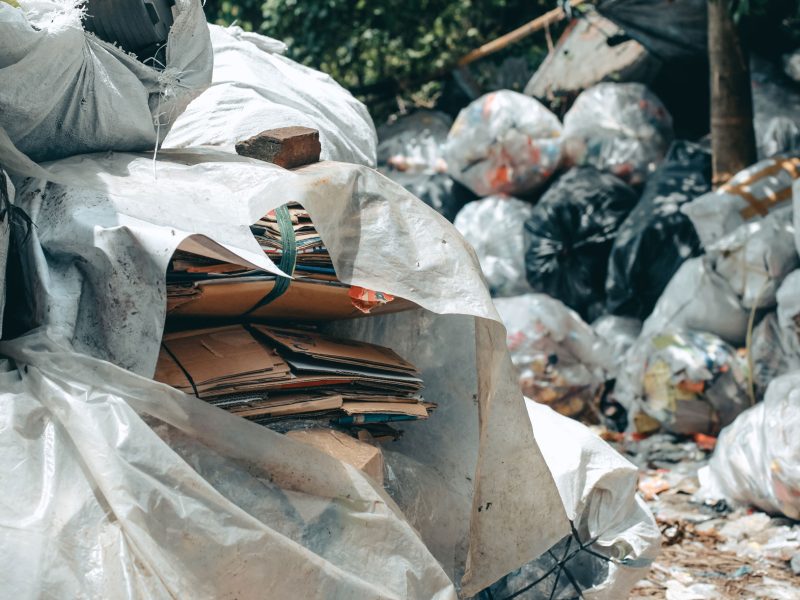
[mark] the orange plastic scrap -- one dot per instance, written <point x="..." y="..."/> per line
<point x="365" y="300"/>
<point x="705" y="442"/>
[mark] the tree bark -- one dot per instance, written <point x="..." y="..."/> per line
<point x="733" y="143"/>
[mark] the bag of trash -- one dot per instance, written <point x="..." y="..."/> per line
<point x="410" y="153"/>
<point x="560" y="360"/>
<point x="776" y="109"/>
<point x="494" y="228"/>
<point x="699" y="298"/>
<point x="614" y="538"/>
<point x="774" y="351"/>
<point x="788" y="298"/>
<point x="620" y="128"/>
<point x="255" y="88"/>
<point x="756" y="461"/>
<point x="693" y="382"/>
<point x="66" y="91"/>
<point x="503" y="143"/>
<point x="127" y="488"/>
<point x="750" y="194"/>
<point x="755" y="258"/>
<point x="656" y="237"/>
<point x="584" y="56"/>
<point x="109" y="211"/>
<point x="618" y="333"/>
<point x="569" y="236"/>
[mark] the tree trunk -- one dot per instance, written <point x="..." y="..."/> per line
<point x="733" y="143"/>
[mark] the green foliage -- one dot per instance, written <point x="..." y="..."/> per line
<point x="383" y="47"/>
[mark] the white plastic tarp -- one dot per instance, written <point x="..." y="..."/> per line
<point x="90" y="264"/>
<point x="254" y="88"/>
<point x="64" y="91"/>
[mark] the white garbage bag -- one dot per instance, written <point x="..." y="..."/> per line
<point x="788" y="297"/>
<point x="774" y="351"/>
<point x="121" y="487"/>
<point x="615" y="537"/>
<point x="494" y="226"/>
<point x="65" y="91"/>
<point x="757" y="458"/>
<point x="503" y="143"/>
<point x="698" y="298"/>
<point x="134" y="213"/>
<point x="254" y="88"/>
<point x="752" y="193"/>
<point x="755" y="258"/>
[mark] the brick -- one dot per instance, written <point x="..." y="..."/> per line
<point x="287" y="147"/>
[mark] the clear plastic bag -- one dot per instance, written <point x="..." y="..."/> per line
<point x="503" y="143"/>
<point x="494" y="227"/>
<point x="692" y="382"/>
<point x="757" y="459"/>
<point x="620" y="128"/>
<point x="560" y="360"/>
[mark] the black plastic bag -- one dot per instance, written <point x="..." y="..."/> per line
<point x="667" y="28"/>
<point x="657" y="237"/>
<point x="569" y="236"/>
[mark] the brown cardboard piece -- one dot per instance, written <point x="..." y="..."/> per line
<point x="363" y="456"/>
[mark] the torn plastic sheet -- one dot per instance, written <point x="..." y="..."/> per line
<point x="380" y="237"/>
<point x="614" y="537"/>
<point x="66" y="91"/>
<point x="254" y="89"/>
<point x="126" y="488"/>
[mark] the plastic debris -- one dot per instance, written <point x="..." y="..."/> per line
<point x="656" y="237"/>
<point x="569" y="236"/>
<point x="757" y="460"/>
<point x="620" y="128"/>
<point x="494" y="227"/>
<point x="774" y="351"/>
<point x="692" y="382"/>
<point x="504" y="143"/>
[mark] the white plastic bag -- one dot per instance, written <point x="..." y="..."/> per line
<point x="757" y="459"/>
<point x="494" y="227"/>
<point x="621" y="128"/>
<point x="598" y="487"/>
<point x="788" y="297"/>
<point x="774" y="351"/>
<point x="128" y="215"/>
<point x="699" y="298"/>
<point x="750" y="194"/>
<point x="755" y="258"/>
<point x="560" y="360"/>
<point x="65" y="91"/>
<point x="254" y="88"/>
<point x="122" y="487"/>
<point x="503" y="143"/>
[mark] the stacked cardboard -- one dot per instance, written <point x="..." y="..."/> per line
<point x="269" y="374"/>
